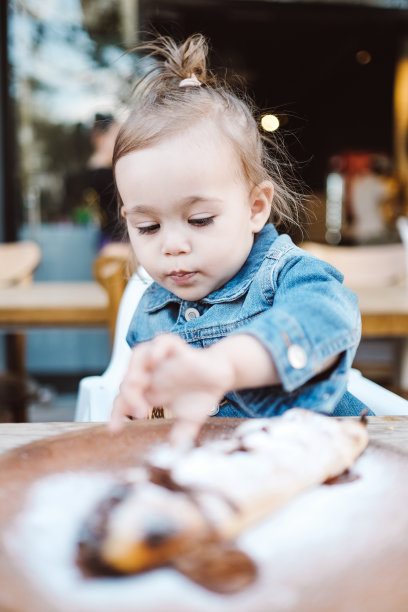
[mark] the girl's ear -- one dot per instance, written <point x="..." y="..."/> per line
<point x="123" y="212"/>
<point x="260" y="200"/>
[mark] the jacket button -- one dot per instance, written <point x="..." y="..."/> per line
<point x="191" y="313"/>
<point x="297" y="356"/>
<point x="214" y="410"/>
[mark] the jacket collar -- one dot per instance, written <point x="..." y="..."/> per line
<point x="157" y="297"/>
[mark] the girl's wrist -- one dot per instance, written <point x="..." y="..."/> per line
<point x="221" y="362"/>
<point x="244" y="362"/>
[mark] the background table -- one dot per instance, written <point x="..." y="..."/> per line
<point x="48" y="305"/>
<point x="384" y="314"/>
<point x="54" y="305"/>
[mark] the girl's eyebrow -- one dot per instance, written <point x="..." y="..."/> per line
<point x="188" y="201"/>
<point x="193" y="199"/>
<point x="139" y="208"/>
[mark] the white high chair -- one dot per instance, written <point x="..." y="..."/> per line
<point x="96" y="393"/>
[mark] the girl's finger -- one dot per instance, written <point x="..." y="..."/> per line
<point x="136" y="403"/>
<point x="163" y="347"/>
<point x="184" y="433"/>
<point x="118" y="415"/>
<point x="124" y="410"/>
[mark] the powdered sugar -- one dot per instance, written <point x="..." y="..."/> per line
<point x="318" y="535"/>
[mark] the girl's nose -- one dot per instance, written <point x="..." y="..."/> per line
<point x="175" y="243"/>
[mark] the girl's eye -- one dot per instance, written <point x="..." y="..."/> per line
<point x="148" y="229"/>
<point x="200" y="221"/>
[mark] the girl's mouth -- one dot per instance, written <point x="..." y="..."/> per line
<point x="181" y="277"/>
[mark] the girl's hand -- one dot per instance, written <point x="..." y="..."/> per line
<point x="188" y="381"/>
<point x="168" y="372"/>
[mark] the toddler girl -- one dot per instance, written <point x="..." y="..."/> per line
<point x="238" y="321"/>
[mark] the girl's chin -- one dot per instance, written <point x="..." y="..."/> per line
<point x="190" y="294"/>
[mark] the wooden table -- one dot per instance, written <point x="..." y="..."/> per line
<point x="353" y="580"/>
<point x="48" y="305"/>
<point x="384" y="311"/>
<point x="384" y="314"/>
<point x="13" y="435"/>
<point x="389" y="430"/>
<point x="80" y="304"/>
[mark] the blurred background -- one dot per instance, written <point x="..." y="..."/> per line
<point x="330" y="76"/>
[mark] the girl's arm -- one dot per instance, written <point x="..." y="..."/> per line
<point x="187" y="380"/>
<point x="191" y="381"/>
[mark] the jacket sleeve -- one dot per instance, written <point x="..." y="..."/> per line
<point x="311" y="318"/>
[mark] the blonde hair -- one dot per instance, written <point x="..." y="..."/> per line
<point x="160" y="107"/>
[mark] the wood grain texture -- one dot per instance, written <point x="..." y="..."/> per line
<point x="367" y="581"/>
<point x="391" y="431"/>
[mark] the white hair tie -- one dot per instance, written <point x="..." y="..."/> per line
<point x="191" y="81"/>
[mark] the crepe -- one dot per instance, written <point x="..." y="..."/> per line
<point x="185" y="507"/>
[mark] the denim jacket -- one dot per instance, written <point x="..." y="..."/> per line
<point x="294" y="304"/>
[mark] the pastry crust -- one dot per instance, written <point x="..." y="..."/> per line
<point x="184" y="501"/>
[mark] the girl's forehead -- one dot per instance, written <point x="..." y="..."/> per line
<point x="202" y="143"/>
<point x="199" y="137"/>
<point x="193" y="162"/>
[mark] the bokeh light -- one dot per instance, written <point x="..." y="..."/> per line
<point x="270" y="123"/>
<point x="363" y="57"/>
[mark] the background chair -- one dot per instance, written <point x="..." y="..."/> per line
<point x="402" y="226"/>
<point x="377" y="273"/>
<point x="112" y="268"/>
<point x="18" y="261"/>
<point x="96" y="393"/>
<point x="380" y="400"/>
<point x="379" y="265"/>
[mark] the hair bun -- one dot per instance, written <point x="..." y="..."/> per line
<point x="176" y="62"/>
<point x="187" y="59"/>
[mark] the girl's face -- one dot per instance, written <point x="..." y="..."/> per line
<point x="190" y="214"/>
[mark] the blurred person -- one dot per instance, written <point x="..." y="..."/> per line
<point x="369" y="191"/>
<point x="99" y="183"/>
